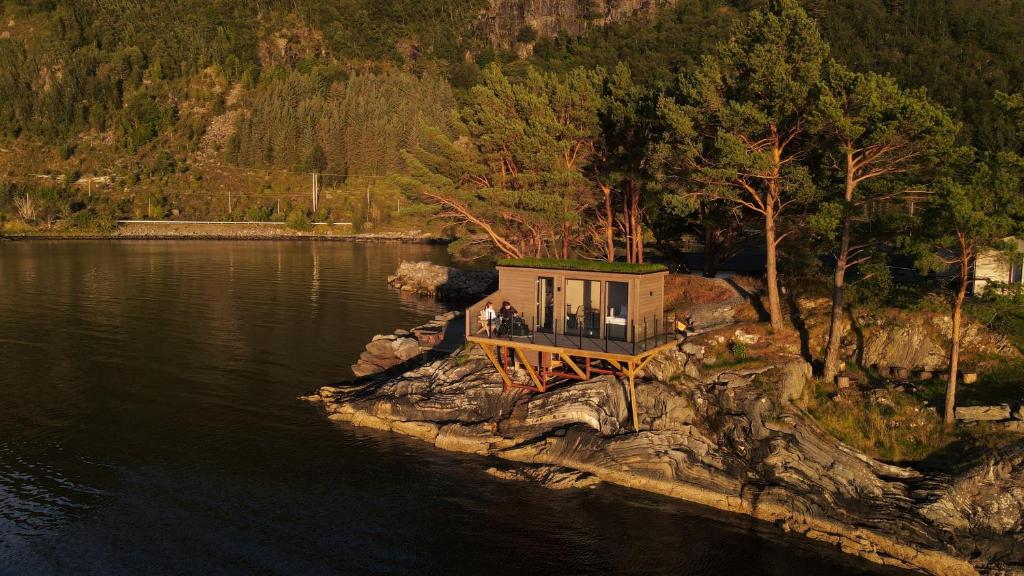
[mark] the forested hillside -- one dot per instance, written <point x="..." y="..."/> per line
<point x="221" y="109"/>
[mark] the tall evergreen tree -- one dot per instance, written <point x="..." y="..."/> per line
<point x="527" y="149"/>
<point x="874" y="130"/>
<point x="739" y="122"/>
<point x="964" y="220"/>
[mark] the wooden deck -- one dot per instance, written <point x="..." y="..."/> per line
<point x="575" y="345"/>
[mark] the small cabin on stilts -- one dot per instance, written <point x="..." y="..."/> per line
<point x="572" y="320"/>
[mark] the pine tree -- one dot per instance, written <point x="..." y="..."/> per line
<point x="874" y="130"/>
<point x="739" y="120"/>
<point x="965" y="219"/>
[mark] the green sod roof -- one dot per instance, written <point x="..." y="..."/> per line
<point x="583" y="265"/>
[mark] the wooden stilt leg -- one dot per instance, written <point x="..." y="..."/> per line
<point x="497" y="365"/>
<point x="529" y="369"/>
<point x="644" y="362"/>
<point x="569" y="362"/>
<point x="632" y="397"/>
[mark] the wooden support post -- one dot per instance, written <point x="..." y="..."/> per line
<point x="529" y="370"/>
<point x="497" y="365"/>
<point x="569" y="362"/>
<point x="645" y="361"/>
<point x="632" y="397"/>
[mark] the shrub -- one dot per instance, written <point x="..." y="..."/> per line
<point x="1001" y="309"/>
<point x="297" y="220"/>
<point x="89" y="219"/>
<point x="526" y="34"/>
<point x="739" y="350"/>
<point x="258" y="214"/>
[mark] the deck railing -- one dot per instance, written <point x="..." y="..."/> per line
<point x="639" y="335"/>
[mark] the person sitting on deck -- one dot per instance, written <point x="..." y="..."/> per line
<point x="488" y="318"/>
<point x="507" y="318"/>
<point x="683" y="326"/>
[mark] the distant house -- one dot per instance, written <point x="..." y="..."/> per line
<point x="994" y="267"/>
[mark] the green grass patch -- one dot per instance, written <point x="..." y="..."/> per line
<point x="884" y="424"/>
<point x="583" y="265"/>
<point x="1002" y="383"/>
<point x="731" y="361"/>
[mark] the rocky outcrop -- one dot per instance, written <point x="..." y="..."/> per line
<point x="432" y="279"/>
<point x="1010" y="419"/>
<point x="980" y="413"/>
<point x="387" y="351"/>
<point x="553" y="477"/>
<point x="984" y="506"/>
<point x="504" y="20"/>
<point x="726" y="439"/>
<point x="897" y="339"/>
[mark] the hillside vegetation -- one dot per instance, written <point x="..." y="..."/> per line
<point x="130" y="108"/>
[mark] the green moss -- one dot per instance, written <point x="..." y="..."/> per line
<point x="583" y="265"/>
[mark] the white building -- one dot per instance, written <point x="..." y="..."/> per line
<point x="994" y="266"/>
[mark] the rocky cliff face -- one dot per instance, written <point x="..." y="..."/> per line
<point x="722" y="438"/>
<point x="504" y="20"/>
<point x="897" y="339"/>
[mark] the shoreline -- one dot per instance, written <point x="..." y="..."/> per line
<point x="402" y="237"/>
<point x="856" y="542"/>
<point x="717" y="439"/>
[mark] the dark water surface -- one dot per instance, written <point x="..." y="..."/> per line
<point x="149" y="425"/>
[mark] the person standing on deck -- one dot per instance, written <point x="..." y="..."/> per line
<point x="487" y="318"/>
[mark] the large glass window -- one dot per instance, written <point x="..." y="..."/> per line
<point x="616" y="320"/>
<point x="583" y="308"/>
<point x="545" y="304"/>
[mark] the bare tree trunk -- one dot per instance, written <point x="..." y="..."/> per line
<point x="627" y="227"/>
<point x="565" y="239"/>
<point x="636" y="238"/>
<point x="609" y="228"/>
<point x="771" y="268"/>
<point x="715" y="242"/>
<point x="949" y="414"/>
<point x="710" y="248"/>
<point x="835" y="332"/>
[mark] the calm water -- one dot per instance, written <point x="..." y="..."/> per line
<point x="148" y="425"/>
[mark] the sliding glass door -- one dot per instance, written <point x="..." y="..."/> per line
<point x="616" y="320"/>
<point x="545" y="304"/>
<point x="583" y="308"/>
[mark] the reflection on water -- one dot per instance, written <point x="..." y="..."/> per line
<point x="148" y="424"/>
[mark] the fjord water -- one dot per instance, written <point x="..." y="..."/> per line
<point x="149" y="425"/>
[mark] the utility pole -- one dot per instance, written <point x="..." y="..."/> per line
<point x="316" y="190"/>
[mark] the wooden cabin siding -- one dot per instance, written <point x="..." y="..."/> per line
<point x="518" y="285"/>
<point x="650" y="297"/>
